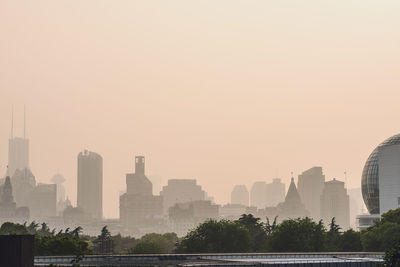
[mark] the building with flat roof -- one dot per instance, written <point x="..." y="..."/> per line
<point x="90" y="183"/>
<point x="240" y="195"/>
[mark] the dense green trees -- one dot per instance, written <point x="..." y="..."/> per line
<point x="156" y="243"/>
<point x="297" y="235"/>
<point x="217" y="236"/>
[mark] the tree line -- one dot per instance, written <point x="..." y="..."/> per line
<point x="247" y="234"/>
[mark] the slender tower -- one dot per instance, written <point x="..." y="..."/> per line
<point x="18" y="149"/>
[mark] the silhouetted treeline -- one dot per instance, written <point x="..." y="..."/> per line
<point x="247" y="234"/>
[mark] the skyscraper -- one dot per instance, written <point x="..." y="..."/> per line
<point x="310" y="185"/>
<point x="258" y="195"/>
<point x="335" y="203"/>
<point x="275" y="192"/>
<point x="139" y="209"/>
<point x="18" y="150"/>
<point x="90" y="183"/>
<point x="240" y="195"/>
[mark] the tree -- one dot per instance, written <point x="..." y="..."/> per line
<point x="156" y="243"/>
<point x="333" y="242"/>
<point x="216" y="237"/>
<point x="392" y="256"/>
<point x="381" y="236"/>
<point x="297" y="235"/>
<point x="257" y="231"/>
<point x="351" y="241"/>
<point x="103" y="244"/>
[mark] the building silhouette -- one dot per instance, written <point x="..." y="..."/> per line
<point x="240" y="195"/>
<point x="292" y="207"/>
<point x="181" y="191"/>
<point x="8" y="207"/>
<point x="258" y="195"/>
<point x="140" y="210"/>
<point x="43" y="201"/>
<point x="90" y="184"/>
<point x="275" y="192"/>
<point x="335" y="204"/>
<point x="310" y="186"/>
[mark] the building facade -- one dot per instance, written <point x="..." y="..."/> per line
<point x="240" y="195"/>
<point x="310" y="186"/>
<point x="90" y="183"/>
<point x="335" y="204"/>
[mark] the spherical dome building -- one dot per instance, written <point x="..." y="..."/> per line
<point x="370" y="176"/>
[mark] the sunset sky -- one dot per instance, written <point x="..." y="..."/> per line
<point x="226" y="92"/>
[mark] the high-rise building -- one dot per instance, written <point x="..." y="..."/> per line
<point x="18" y="151"/>
<point x="310" y="185"/>
<point x="90" y="183"/>
<point x="181" y="191"/>
<point x="335" y="204"/>
<point x="139" y="209"/>
<point x="43" y="202"/>
<point x="275" y="192"/>
<point x="258" y="195"/>
<point x="240" y="195"/>
<point x="8" y="208"/>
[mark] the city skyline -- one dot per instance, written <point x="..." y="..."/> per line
<point x="247" y="93"/>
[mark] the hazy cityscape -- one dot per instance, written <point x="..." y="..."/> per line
<point x="199" y="133"/>
<point x="180" y="206"/>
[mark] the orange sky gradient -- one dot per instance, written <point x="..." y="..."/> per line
<point x="227" y="92"/>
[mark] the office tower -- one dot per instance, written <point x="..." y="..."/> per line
<point x="310" y="185"/>
<point x="275" y="192"/>
<point x="181" y="191"/>
<point x="258" y="195"/>
<point x="335" y="203"/>
<point x="139" y="209"/>
<point x="23" y="182"/>
<point x="43" y="201"/>
<point x="292" y="207"/>
<point x="18" y="150"/>
<point x="58" y="179"/>
<point x="380" y="183"/>
<point x="240" y="195"/>
<point x="90" y="183"/>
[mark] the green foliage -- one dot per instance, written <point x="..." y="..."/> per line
<point x="104" y="244"/>
<point x="392" y="256"/>
<point x="257" y="231"/>
<point x="392" y="216"/>
<point x="9" y="228"/>
<point x="217" y="237"/>
<point x="380" y="237"/>
<point x="351" y="241"/>
<point x="298" y="235"/>
<point x="124" y="244"/>
<point x="156" y="243"/>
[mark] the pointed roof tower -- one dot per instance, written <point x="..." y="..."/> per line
<point x="292" y="194"/>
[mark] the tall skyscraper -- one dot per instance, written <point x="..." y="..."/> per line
<point x="310" y="185"/>
<point x="18" y="150"/>
<point x="240" y="195"/>
<point x="90" y="183"/>
<point x="335" y="203"/>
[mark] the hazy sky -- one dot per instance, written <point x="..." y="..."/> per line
<point x="227" y="92"/>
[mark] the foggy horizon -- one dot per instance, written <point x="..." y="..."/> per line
<point x="230" y="98"/>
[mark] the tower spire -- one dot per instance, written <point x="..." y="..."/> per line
<point x="24" y="122"/>
<point x="12" y="121"/>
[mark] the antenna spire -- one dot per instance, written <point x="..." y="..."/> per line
<point x="24" y="122"/>
<point x="12" y="121"/>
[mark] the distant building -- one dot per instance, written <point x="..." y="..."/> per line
<point x="23" y="182"/>
<point x="258" y="195"/>
<point x="232" y="211"/>
<point x="240" y="195"/>
<point x="181" y="191"/>
<point x="140" y="211"/>
<point x="310" y="185"/>
<point x="90" y="183"/>
<point x="292" y="207"/>
<point x="335" y="203"/>
<point x="8" y="208"/>
<point x="275" y="192"/>
<point x="18" y="154"/>
<point x="43" y="201"/>
<point x="58" y="179"/>
<point x="186" y="216"/>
